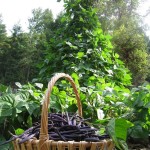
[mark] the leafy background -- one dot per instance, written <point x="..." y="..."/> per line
<point x="103" y="48"/>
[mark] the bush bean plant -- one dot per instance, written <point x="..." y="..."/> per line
<point x="126" y="113"/>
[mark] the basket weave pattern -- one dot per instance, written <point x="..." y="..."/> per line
<point x="44" y="143"/>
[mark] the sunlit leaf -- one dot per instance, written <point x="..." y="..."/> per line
<point x="19" y="131"/>
<point x="18" y="84"/>
<point x="39" y="85"/>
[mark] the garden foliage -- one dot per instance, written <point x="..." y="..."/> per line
<point x="80" y="48"/>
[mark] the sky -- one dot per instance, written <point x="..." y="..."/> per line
<point x="19" y="11"/>
<point x="143" y="9"/>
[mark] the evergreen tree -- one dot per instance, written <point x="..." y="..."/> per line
<point x="18" y="59"/>
<point x="4" y="45"/>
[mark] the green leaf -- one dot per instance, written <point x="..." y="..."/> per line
<point x="62" y="95"/>
<point x="19" y="131"/>
<point x="116" y="55"/>
<point x="5" y="110"/>
<point x="81" y="19"/>
<point x="76" y="78"/>
<point x="147" y="105"/>
<point x="55" y="103"/>
<point x="31" y="107"/>
<point x="111" y="131"/>
<point x="102" y="131"/>
<point x="3" y="147"/>
<point x="139" y="132"/>
<point x="23" y="96"/>
<point x="39" y="85"/>
<point x="18" y="84"/>
<point x="3" y="88"/>
<point x="80" y="55"/>
<point x="55" y="90"/>
<point x="117" y="129"/>
<point x="102" y="121"/>
<point x="8" y="98"/>
<point x="123" y="144"/>
<point x="68" y="43"/>
<point x="29" y="121"/>
<point x="121" y="126"/>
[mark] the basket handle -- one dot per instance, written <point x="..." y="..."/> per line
<point x="44" y="114"/>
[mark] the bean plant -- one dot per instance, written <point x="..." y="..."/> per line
<point x="126" y="112"/>
<point x="19" y="108"/>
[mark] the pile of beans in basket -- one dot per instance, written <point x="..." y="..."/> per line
<point x="64" y="127"/>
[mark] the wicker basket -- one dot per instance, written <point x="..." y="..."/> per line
<point x="44" y="143"/>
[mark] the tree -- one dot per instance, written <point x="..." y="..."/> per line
<point x="121" y="20"/>
<point x="148" y="51"/>
<point x="114" y="13"/>
<point x="41" y="32"/>
<point x="133" y="50"/>
<point x="2" y="31"/>
<point x="41" y="22"/>
<point x="18" y="60"/>
<point x="82" y="47"/>
<point x="4" y="45"/>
